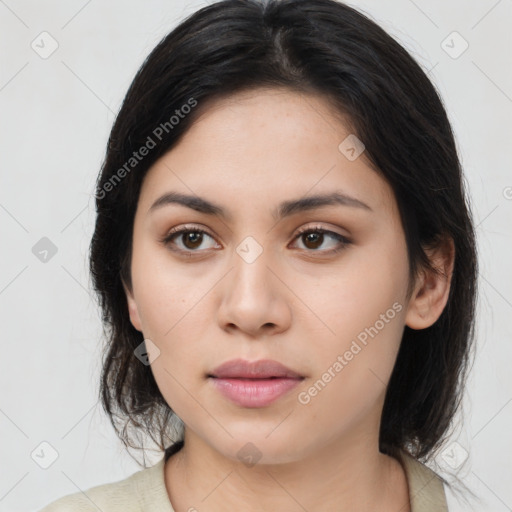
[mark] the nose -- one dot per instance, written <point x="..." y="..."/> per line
<point x="255" y="299"/>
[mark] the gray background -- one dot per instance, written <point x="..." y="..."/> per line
<point x="56" y="113"/>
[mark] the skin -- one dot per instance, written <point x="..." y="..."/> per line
<point x="296" y="303"/>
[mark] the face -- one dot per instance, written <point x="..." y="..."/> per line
<point x="253" y="280"/>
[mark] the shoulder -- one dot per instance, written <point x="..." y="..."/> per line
<point x="426" y="488"/>
<point x="143" y="489"/>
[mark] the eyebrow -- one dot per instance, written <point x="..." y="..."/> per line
<point x="285" y="209"/>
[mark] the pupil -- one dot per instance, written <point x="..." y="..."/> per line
<point x="313" y="237"/>
<point x="193" y="237"/>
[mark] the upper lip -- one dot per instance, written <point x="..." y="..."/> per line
<point x="264" y="368"/>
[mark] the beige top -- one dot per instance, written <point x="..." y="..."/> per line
<point x="145" y="491"/>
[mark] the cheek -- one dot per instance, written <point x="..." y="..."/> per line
<point x="363" y="306"/>
<point x="353" y="368"/>
<point x="171" y="311"/>
<point x="173" y="304"/>
<point x="164" y="293"/>
<point x="366" y="285"/>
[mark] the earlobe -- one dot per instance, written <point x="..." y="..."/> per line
<point x="132" y="309"/>
<point x="432" y="288"/>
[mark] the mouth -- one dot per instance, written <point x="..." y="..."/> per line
<point x="256" y="384"/>
<point x="261" y="369"/>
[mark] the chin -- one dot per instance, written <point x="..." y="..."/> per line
<point x="254" y="446"/>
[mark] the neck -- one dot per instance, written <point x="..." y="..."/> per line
<point x="345" y="475"/>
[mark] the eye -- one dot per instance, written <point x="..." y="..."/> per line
<point x="191" y="238"/>
<point x="314" y="237"/>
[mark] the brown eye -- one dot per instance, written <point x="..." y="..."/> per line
<point x="194" y="238"/>
<point x="315" y="238"/>
<point x="187" y="239"/>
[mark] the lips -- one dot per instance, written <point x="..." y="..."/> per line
<point x="253" y="384"/>
<point x="262" y="369"/>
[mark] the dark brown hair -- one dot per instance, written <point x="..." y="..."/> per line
<point x="310" y="46"/>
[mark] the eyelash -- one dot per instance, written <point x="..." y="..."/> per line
<point x="343" y="241"/>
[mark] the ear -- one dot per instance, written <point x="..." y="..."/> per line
<point x="132" y="308"/>
<point x="432" y="289"/>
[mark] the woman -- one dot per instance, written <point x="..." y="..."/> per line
<point x="286" y="265"/>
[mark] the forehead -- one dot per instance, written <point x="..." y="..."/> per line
<point x="270" y="116"/>
<point x="265" y="144"/>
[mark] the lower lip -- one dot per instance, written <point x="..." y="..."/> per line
<point x="254" y="392"/>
